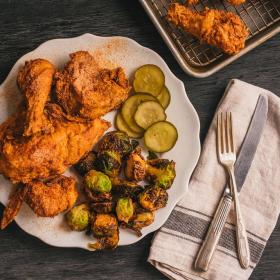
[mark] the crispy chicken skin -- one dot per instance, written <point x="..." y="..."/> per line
<point x="35" y="81"/>
<point x="84" y="89"/>
<point x="45" y="199"/>
<point x="40" y="156"/>
<point x="221" y="29"/>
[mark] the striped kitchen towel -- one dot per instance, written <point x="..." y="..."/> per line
<point x="176" y="245"/>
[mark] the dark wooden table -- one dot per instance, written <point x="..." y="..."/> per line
<point x="25" y="25"/>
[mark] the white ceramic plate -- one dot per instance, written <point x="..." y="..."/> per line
<point x="130" y="55"/>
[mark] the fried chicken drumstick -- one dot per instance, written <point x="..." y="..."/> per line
<point x="35" y="81"/>
<point x="224" y="30"/>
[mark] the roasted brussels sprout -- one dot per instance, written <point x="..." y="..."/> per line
<point x="161" y="172"/>
<point x="116" y="141"/>
<point x="103" y="207"/>
<point x="110" y="242"/>
<point x="98" y="197"/>
<point x="97" y="182"/>
<point x="153" y="198"/>
<point x="78" y="217"/>
<point x="124" y="209"/>
<point x="135" y="168"/>
<point x="142" y="219"/>
<point x="124" y="188"/>
<point x="86" y="164"/>
<point x="104" y="225"/>
<point x="109" y="162"/>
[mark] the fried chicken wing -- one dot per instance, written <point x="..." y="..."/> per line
<point x="45" y="199"/>
<point x="13" y="207"/>
<point x="84" y="89"/>
<point x="221" y="29"/>
<point x="35" y="81"/>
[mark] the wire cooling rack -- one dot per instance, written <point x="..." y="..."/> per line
<point x="262" y="17"/>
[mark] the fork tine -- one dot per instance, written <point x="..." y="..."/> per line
<point x="221" y="137"/>
<point x="228" y="133"/>
<point x="219" y="140"/>
<point x="223" y="134"/>
<point x="232" y="133"/>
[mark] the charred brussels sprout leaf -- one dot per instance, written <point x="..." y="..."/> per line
<point x="153" y="198"/>
<point x="86" y="164"/>
<point x="104" y="225"/>
<point x="161" y="172"/>
<point x="98" y="182"/>
<point x="116" y="141"/>
<point x="78" y="217"/>
<point x="152" y="155"/>
<point x="110" y="242"/>
<point x="124" y="188"/>
<point x="124" y="209"/>
<point x="109" y="162"/>
<point x="142" y="219"/>
<point x="135" y="168"/>
<point x="103" y="207"/>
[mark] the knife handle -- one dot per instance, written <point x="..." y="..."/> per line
<point x="209" y="245"/>
<point x="241" y="233"/>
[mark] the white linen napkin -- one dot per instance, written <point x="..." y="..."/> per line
<point x="176" y="245"/>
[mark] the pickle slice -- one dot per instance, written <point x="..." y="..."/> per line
<point x="122" y="126"/>
<point x="148" y="113"/>
<point x="149" y="78"/>
<point x="161" y="137"/>
<point x="164" y="97"/>
<point x="129" y="108"/>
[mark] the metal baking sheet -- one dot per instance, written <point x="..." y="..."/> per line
<point x="262" y="17"/>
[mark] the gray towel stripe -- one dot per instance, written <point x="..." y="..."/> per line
<point x="210" y="217"/>
<point x="188" y="239"/>
<point x="197" y="228"/>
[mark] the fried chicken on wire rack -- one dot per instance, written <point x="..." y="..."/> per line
<point x="232" y="2"/>
<point x="224" y="30"/>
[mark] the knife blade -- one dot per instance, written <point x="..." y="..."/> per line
<point x="250" y="143"/>
<point x="243" y="163"/>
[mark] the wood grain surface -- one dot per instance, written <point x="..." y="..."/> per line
<point x="25" y="25"/>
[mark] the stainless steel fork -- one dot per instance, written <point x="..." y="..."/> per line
<point x="227" y="157"/>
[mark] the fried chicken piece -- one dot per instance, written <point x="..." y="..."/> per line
<point x="23" y="159"/>
<point x="221" y="29"/>
<point x="13" y="207"/>
<point x="47" y="152"/>
<point x="51" y="198"/>
<point x="84" y="89"/>
<point x="236" y="2"/>
<point x="191" y="2"/>
<point x="45" y="199"/>
<point x="35" y="81"/>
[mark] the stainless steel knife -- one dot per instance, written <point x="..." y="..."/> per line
<point x="242" y="166"/>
